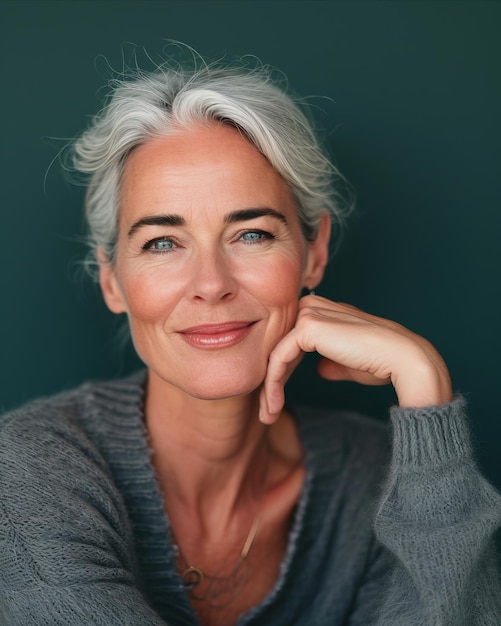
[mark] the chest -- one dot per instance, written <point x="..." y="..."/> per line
<point x="221" y="597"/>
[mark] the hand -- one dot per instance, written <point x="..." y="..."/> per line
<point x="359" y="347"/>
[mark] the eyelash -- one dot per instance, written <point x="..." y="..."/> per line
<point x="265" y="236"/>
<point x="148" y="246"/>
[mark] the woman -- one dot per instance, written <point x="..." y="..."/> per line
<point x="190" y="493"/>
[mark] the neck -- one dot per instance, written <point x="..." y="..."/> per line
<point x="211" y="456"/>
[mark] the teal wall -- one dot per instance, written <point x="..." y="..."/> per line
<point x="412" y="110"/>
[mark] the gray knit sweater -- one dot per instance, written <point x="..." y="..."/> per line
<point x="378" y="537"/>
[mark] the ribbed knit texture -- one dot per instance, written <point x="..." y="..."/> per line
<point x="438" y="509"/>
<point x="84" y="538"/>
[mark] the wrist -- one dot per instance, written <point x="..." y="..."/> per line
<point x="424" y="383"/>
<point x="423" y="437"/>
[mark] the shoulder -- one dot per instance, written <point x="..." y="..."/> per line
<point x="71" y="413"/>
<point x="54" y="460"/>
<point x="43" y="429"/>
<point x="56" y="440"/>
<point x="63" y="518"/>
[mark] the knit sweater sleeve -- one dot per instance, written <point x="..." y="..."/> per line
<point x="66" y="549"/>
<point x="437" y="517"/>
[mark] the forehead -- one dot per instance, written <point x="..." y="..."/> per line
<point x="214" y="166"/>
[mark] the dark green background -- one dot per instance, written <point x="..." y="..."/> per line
<point x="412" y="112"/>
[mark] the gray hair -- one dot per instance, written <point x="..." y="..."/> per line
<point x="151" y="104"/>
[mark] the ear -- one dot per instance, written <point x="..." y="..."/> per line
<point x="318" y="254"/>
<point x="110" y="287"/>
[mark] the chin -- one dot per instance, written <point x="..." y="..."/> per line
<point x="210" y="375"/>
<point x="219" y="381"/>
<point x="223" y="389"/>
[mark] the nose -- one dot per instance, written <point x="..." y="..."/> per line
<point x="212" y="279"/>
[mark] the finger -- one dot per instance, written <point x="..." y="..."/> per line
<point x="282" y="362"/>
<point x="264" y="415"/>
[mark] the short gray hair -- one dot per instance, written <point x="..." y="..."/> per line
<point x="144" y="105"/>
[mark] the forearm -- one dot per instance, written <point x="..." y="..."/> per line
<point x="437" y="517"/>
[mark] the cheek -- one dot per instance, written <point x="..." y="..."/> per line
<point x="149" y="296"/>
<point x="277" y="287"/>
<point x="276" y="274"/>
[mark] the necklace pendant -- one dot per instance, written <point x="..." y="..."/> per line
<point x="192" y="577"/>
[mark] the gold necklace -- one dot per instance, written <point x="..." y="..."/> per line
<point x="220" y="591"/>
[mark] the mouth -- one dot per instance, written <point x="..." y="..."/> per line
<point x="214" y="336"/>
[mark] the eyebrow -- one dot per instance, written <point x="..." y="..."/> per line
<point x="176" y="220"/>
<point x="251" y="214"/>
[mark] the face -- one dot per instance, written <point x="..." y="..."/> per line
<point x="210" y="261"/>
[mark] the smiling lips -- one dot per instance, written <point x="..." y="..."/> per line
<point x="214" y="336"/>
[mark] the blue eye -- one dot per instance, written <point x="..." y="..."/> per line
<point x="163" y="244"/>
<point x="256" y="236"/>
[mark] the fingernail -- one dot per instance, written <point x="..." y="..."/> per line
<point x="265" y="419"/>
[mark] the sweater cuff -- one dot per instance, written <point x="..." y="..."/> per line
<point x="430" y="435"/>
